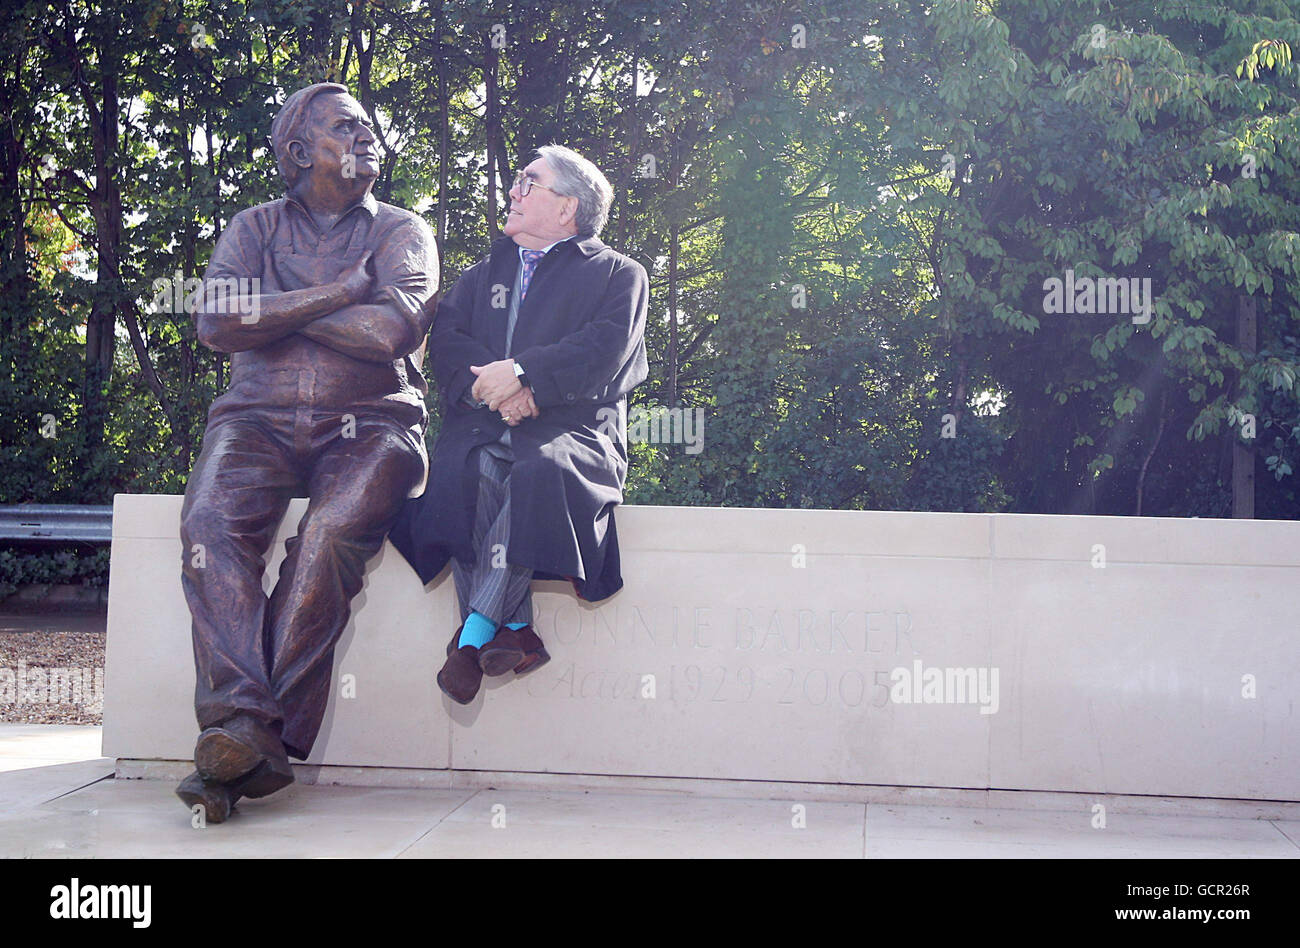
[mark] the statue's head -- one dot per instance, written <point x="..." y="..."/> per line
<point x="322" y="131"/>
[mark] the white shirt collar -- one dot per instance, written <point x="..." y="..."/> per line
<point x="547" y="248"/>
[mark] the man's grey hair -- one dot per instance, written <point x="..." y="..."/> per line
<point x="293" y="124"/>
<point x="577" y="177"/>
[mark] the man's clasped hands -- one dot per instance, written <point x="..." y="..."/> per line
<point x="499" y="388"/>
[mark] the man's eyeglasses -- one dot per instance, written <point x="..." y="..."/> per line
<point x="526" y="184"/>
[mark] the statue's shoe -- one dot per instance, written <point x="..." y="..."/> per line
<point x="243" y="751"/>
<point x="217" y="799"/>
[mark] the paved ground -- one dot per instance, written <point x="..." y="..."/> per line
<point x="58" y="798"/>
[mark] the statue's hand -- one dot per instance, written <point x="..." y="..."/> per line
<point x="357" y="280"/>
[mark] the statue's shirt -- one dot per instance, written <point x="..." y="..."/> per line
<point x="279" y="245"/>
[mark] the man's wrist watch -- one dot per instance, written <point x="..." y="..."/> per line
<point x="519" y="374"/>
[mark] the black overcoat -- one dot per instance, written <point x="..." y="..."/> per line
<point x="580" y="337"/>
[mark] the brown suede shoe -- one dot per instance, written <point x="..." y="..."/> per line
<point x="455" y="637"/>
<point x="535" y="654"/>
<point x="243" y="751"/>
<point x="461" y="677"/>
<point x="503" y="653"/>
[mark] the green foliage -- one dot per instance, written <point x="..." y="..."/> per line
<point x="20" y="567"/>
<point x="852" y="213"/>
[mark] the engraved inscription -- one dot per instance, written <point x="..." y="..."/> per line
<point x="743" y="629"/>
<point x="844" y="689"/>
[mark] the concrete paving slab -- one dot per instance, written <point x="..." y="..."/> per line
<point x="60" y="742"/>
<point x="1290" y="829"/>
<point x="958" y="832"/>
<point x="49" y="808"/>
<point x="39" y="781"/>
<point x="133" y="819"/>
<point x="527" y="824"/>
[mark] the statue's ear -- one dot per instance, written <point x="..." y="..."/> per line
<point x="298" y="154"/>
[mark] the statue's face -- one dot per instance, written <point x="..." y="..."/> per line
<point x="340" y="128"/>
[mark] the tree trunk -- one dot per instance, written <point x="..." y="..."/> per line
<point x="444" y="149"/>
<point x="1146" y="461"/>
<point x="1243" y="455"/>
<point x="15" y="280"/>
<point x="672" y="318"/>
<point x="106" y="203"/>
<point x="216" y="219"/>
<point x="490" y="85"/>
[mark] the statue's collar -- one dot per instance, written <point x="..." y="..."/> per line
<point x="367" y="203"/>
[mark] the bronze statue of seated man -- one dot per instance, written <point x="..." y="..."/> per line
<point x="323" y="299"/>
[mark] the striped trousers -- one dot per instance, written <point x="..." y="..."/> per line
<point x="490" y="586"/>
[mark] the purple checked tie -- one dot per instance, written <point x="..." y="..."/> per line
<point x="531" y="259"/>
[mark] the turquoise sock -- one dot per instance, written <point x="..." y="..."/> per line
<point x="515" y="625"/>
<point x="478" y="631"/>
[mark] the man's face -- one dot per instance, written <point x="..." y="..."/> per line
<point x="536" y="220"/>
<point x="340" y="128"/>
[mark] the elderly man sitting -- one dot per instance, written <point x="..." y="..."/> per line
<point x="535" y="349"/>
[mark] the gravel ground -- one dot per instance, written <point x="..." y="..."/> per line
<point x="31" y="645"/>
